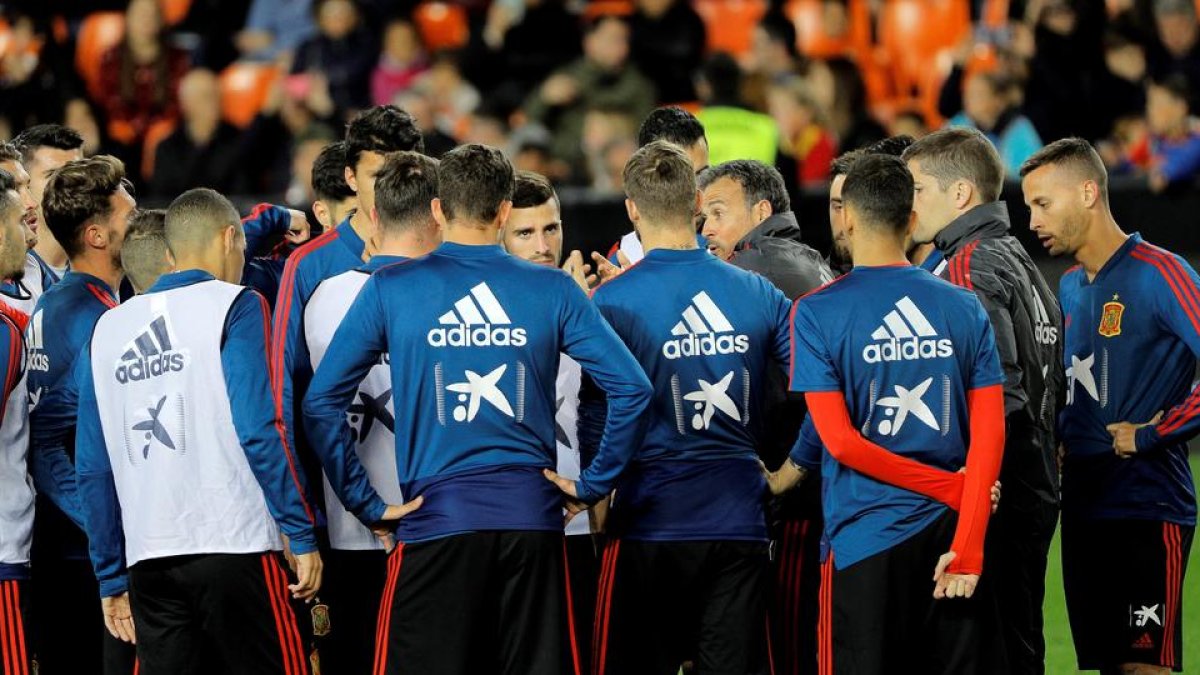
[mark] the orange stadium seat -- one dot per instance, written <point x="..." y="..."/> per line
<point x="157" y="132"/>
<point x="99" y="32"/>
<point x="914" y="34"/>
<point x="812" y="38"/>
<point x="174" y="11"/>
<point x="443" y="25"/>
<point x="730" y="23"/>
<point x="244" y="89"/>
<point x="598" y="8"/>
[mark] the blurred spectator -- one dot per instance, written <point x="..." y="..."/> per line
<point x="773" y="60"/>
<point x="416" y="103"/>
<point x="1068" y="58"/>
<point x="310" y="146"/>
<point x="909" y="123"/>
<point x="838" y="88"/>
<point x="79" y="115"/>
<point x="989" y="106"/>
<point x="667" y="40"/>
<point x="275" y="29"/>
<point x="804" y="139"/>
<point x="204" y="151"/>
<point x="606" y="130"/>
<point x="733" y="131"/>
<point x="602" y="78"/>
<point x="1177" y="49"/>
<point x="343" y="51"/>
<point x="1121" y="83"/>
<point x="1170" y="152"/>
<point x="139" y="77"/>
<point x="485" y="128"/>
<point x="35" y="75"/>
<point x="523" y="42"/>
<point x="402" y="61"/>
<point x="454" y="99"/>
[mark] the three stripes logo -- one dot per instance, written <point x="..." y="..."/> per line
<point x="37" y="358"/>
<point x="150" y="354"/>
<point x="906" y="335"/>
<point x="704" y="331"/>
<point x="1044" y="330"/>
<point x="477" y="320"/>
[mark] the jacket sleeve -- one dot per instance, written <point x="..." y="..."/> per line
<point x="259" y="427"/>
<point x="264" y="223"/>
<point x="355" y="348"/>
<point x="291" y="368"/>
<point x="589" y="339"/>
<point x="1179" y="312"/>
<point x="50" y="424"/>
<point x="98" y="493"/>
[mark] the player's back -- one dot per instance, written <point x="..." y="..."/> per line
<point x="904" y="347"/>
<point x="705" y="332"/>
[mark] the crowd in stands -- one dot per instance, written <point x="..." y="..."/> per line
<point x="232" y="94"/>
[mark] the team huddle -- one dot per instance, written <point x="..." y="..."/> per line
<point x="356" y="453"/>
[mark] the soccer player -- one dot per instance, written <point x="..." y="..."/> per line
<point x="185" y="480"/>
<point x="45" y="148"/>
<point x="1128" y="497"/>
<point x="272" y="234"/>
<point x="534" y="232"/>
<point x="357" y="564"/>
<point x="958" y="176"/>
<point x="86" y="207"/>
<point x="24" y="288"/>
<point x="144" y="253"/>
<point x="16" y="509"/>
<point x="473" y="335"/>
<point x="686" y="573"/>
<point x="369" y="137"/>
<point x="899" y="370"/>
<point x="334" y="197"/>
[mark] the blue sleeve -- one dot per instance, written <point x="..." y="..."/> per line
<point x="807" y="450"/>
<point x="265" y="222"/>
<point x="353" y="351"/>
<point x="1179" y="313"/>
<point x="97" y="491"/>
<point x="260" y="15"/>
<point x="985" y="366"/>
<point x="812" y="367"/>
<point x="260" y="430"/>
<point x="589" y="339"/>
<point x="290" y="364"/>
<point x="781" y="320"/>
<point x="51" y="418"/>
<point x="1182" y="162"/>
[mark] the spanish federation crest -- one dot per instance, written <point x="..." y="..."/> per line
<point x="1110" y="319"/>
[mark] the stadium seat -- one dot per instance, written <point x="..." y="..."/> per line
<point x="730" y="23"/>
<point x="443" y="25"/>
<point x="157" y="132"/>
<point x="913" y="34"/>
<point x="811" y="37"/>
<point x="174" y="11"/>
<point x="99" y="32"/>
<point x="244" y="89"/>
<point x="598" y="8"/>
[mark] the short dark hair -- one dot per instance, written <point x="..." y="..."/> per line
<point x="54" y="136"/>
<point x="1175" y="84"/>
<point x="79" y="192"/>
<point x="403" y="189"/>
<point x="8" y="183"/>
<point x="780" y="29"/>
<point x="670" y="123"/>
<point x="1074" y="153"/>
<point x="329" y="174"/>
<point x="473" y="181"/>
<point x="661" y="181"/>
<point x="960" y="153"/>
<point x="892" y="145"/>
<point x="381" y="129"/>
<point x="759" y="181"/>
<point x="196" y="216"/>
<point x="532" y="189"/>
<point x="9" y="153"/>
<point x="880" y="189"/>
<point x="143" y="254"/>
<point x="844" y="162"/>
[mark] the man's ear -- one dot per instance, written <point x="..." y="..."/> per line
<point x="1090" y="192"/>
<point x="229" y="237"/>
<point x="504" y="212"/>
<point x="964" y="191"/>
<point x="350" y="180"/>
<point x="631" y="210"/>
<point x="323" y="214"/>
<point x="435" y="205"/>
<point x="761" y="211"/>
<point x="911" y="228"/>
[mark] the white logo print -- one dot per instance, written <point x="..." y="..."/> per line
<point x="710" y="398"/>
<point x="906" y="335"/>
<point x="150" y="354"/>
<point x="37" y="359"/>
<point x="478" y="388"/>
<point x="1044" y="330"/>
<point x="1081" y="372"/>
<point x="477" y="320"/>
<point x="704" y="331"/>
<point x="1145" y="615"/>
<point x="906" y="402"/>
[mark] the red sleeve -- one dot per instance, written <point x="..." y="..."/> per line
<point x="829" y="413"/>
<point x="983" y="468"/>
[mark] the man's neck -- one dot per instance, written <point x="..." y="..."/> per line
<point x="677" y="237"/>
<point x="879" y="252"/>
<point x="360" y="222"/>
<point x="472" y="234"/>
<point x="99" y="265"/>
<point x="50" y="252"/>
<point x="1106" y="238"/>
<point x="407" y="245"/>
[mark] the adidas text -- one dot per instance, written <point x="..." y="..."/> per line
<point x="37" y="360"/>
<point x="706" y="345"/>
<point x="907" y="350"/>
<point x="477" y="336"/>
<point x="149" y="366"/>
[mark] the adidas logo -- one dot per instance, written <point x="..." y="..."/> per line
<point x="1144" y="642"/>
<point x="704" y="331"/>
<point x="477" y="320"/>
<point x="149" y="355"/>
<point x="37" y="359"/>
<point x="1044" y="331"/>
<point x="906" y="335"/>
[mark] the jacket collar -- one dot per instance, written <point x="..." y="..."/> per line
<point x="777" y="226"/>
<point x="983" y="221"/>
